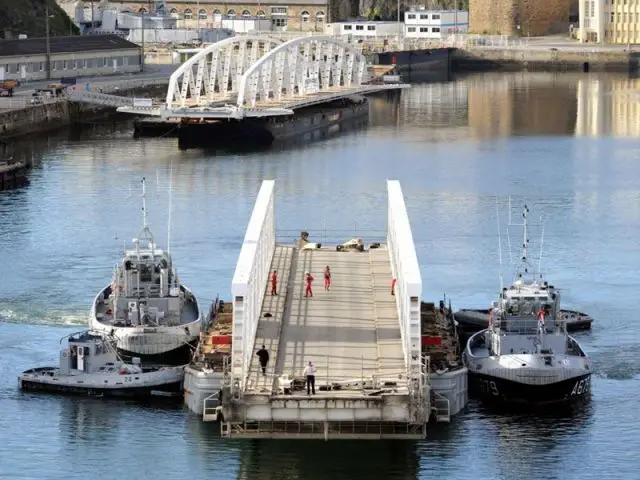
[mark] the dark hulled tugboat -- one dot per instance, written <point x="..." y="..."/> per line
<point x="526" y="357"/>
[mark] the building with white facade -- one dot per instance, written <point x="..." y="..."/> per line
<point x="436" y="24"/>
<point x="609" y="21"/>
<point x="359" y="28"/>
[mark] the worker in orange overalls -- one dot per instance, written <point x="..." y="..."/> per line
<point x="274" y="283"/>
<point x="308" y="278"/>
<point x="393" y="286"/>
<point x="327" y="278"/>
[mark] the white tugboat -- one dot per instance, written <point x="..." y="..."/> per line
<point x="89" y="365"/>
<point x="526" y="357"/>
<point x="146" y="308"/>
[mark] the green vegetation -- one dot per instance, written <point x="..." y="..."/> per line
<point x="28" y="17"/>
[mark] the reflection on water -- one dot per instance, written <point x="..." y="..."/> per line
<point x="495" y="105"/>
<point x="608" y="106"/>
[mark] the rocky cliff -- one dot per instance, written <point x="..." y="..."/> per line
<point x="28" y="17"/>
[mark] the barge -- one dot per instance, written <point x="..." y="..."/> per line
<point x="309" y="123"/>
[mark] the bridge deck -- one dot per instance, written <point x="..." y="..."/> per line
<point x="350" y="332"/>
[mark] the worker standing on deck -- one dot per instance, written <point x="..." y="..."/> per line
<point x="308" y="279"/>
<point x="310" y="375"/>
<point x="393" y="286"/>
<point x="263" y="355"/>
<point x="274" y="283"/>
<point x="327" y="278"/>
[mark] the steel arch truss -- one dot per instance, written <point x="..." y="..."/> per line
<point x="301" y="68"/>
<point x="213" y="74"/>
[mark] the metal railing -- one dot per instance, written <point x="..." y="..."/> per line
<point x="210" y="406"/>
<point x="442" y="407"/>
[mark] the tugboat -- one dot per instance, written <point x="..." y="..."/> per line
<point x="146" y="308"/>
<point x="526" y="357"/>
<point x="89" y="365"/>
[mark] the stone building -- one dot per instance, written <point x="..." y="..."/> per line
<point x="519" y="17"/>
<point x="290" y="15"/>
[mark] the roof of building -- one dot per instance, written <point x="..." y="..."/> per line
<point x="75" y="44"/>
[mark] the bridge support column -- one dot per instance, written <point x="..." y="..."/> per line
<point x="249" y="280"/>
<point x="408" y="285"/>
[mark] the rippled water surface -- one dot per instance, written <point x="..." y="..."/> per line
<point x="567" y="145"/>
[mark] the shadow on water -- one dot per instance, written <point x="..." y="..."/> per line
<point x="309" y="459"/>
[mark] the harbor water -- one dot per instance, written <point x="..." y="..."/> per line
<point x="567" y="145"/>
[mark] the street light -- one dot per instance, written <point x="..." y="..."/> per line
<point x="48" y="46"/>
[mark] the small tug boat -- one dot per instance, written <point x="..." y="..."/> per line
<point x="526" y="357"/>
<point x="89" y="365"/>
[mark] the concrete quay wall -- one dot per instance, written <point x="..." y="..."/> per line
<point x="49" y="116"/>
<point x="544" y="59"/>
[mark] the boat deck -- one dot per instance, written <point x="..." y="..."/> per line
<point x="351" y="332"/>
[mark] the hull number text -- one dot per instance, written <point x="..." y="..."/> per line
<point x="489" y="387"/>
<point x="581" y="387"/>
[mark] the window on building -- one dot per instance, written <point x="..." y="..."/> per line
<point x="346" y="27"/>
<point x="246" y="13"/>
<point x="279" y="21"/>
<point x="371" y="28"/>
<point x="231" y="13"/>
<point x="216" y="12"/>
<point x="435" y="16"/>
<point x="278" y="11"/>
<point x="202" y="14"/>
<point x="359" y="27"/>
<point x="260" y="14"/>
<point x="411" y="16"/>
<point x="424" y="29"/>
<point x="411" y="29"/>
<point x="435" y="29"/>
<point x="304" y="16"/>
<point x="320" y="17"/>
<point x="188" y="14"/>
<point x="618" y="16"/>
<point x="174" y="13"/>
<point x="41" y="66"/>
<point x="142" y="10"/>
<point x="424" y="16"/>
<point x="613" y="17"/>
<point x="64" y="64"/>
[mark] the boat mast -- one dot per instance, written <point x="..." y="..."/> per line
<point x="144" y="205"/>
<point x="499" y="247"/>
<point x="525" y="242"/>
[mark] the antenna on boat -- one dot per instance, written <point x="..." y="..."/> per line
<point x="541" y="245"/>
<point x="499" y="246"/>
<point x="509" y="236"/>
<point x="144" y="204"/>
<point x="169" y="219"/>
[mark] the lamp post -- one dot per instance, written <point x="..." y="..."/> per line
<point x="142" y="53"/>
<point x="48" y="46"/>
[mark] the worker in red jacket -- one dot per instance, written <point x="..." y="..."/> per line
<point x="327" y="278"/>
<point x="274" y="283"/>
<point x="308" y="278"/>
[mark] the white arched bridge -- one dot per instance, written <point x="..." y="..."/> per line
<point x="258" y="76"/>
